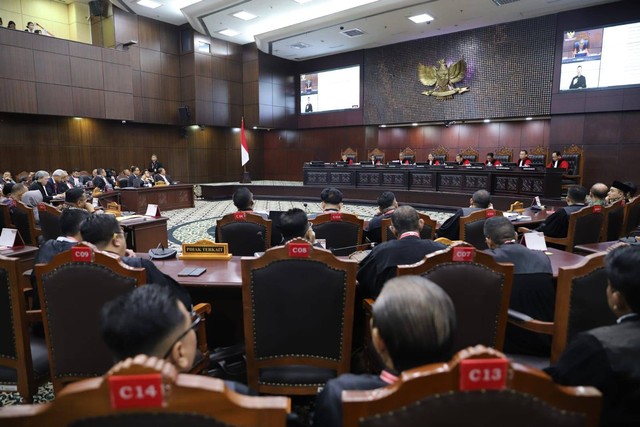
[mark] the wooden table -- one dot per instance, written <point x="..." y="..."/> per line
<point x="167" y="197"/>
<point x="537" y="218"/>
<point x="561" y="258"/>
<point x="145" y="233"/>
<point x="26" y="254"/>
<point x="594" y="248"/>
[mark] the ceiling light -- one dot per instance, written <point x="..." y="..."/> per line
<point x="181" y="4"/>
<point x="229" y="33"/>
<point x="419" y="19"/>
<point x="487" y="120"/>
<point x="302" y="1"/>
<point x="529" y="118"/>
<point x="414" y="124"/>
<point x="383" y="126"/>
<point x="149" y="3"/>
<point x="245" y="16"/>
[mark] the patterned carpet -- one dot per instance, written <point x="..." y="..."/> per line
<point x="190" y="225"/>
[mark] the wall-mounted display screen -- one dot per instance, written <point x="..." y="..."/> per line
<point x="330" y="90"/>
<point x="601" y="57"/>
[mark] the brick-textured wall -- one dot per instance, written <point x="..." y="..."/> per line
<point x="510" y="72"/>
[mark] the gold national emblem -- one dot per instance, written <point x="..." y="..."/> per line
<point x="443" y="78"/>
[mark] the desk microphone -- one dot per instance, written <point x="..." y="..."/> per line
<point x="306" y="209"/>
<point x="363" y="245"/>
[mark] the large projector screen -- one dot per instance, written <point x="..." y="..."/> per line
<point x="330" y="90"/>
<point x="602" y="57"/>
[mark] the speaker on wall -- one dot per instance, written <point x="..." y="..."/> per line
<point x="99" y="8"/>
<point x="184" y="114"/>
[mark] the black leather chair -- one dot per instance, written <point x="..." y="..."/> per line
<point x="585" y="226"/>
<point x="123" y="183"/>
<point x="22" y="217"/>
<point x="5" y="216"/>
<point x="472" y="227"/>
<point x="428" y="230"/>
<point x="23" y="357"/>
<point x="298" y="318"/>
<point x="342" y="231"/>
<point x="244" y="232"/>
<point x="613" y="224"/>
<point x="49" y="221"/>
<point x="631" y="216"/>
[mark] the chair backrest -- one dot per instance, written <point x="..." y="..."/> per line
<point x="15" y="350"/>
<point x="585" y="226"/>
<point x="5" y="216"/>
<point x="123" y="182"/>
<point x="350" y="153"/>
<point x="470" y="154"/>
<point x="49" y="221"/>
<point x="298" y="305"/>
<point x="479" y="386"/>
<point x="407" y="154"/>
<point x="245" y="232"/>
<point x="376" y="152"/>
<point x="538" y="155"/>
<point x="428" y="230"/>
<point x="581" y="301"/>
<point x="479" y="288"/>
<point x="22" y="217"/>
<point x="72" y="288"/>
<point x="504" y="154"/>
<point x="158" y="397"/>
<point x="613" y="221"/>
<point x="440" y="154"/>
<point x="342" y="231"/>
<point x="574" y="155"/>
<point x="472" y="227"/>
<point x="631" y="216"/>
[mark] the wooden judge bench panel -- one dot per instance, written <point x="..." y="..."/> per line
<point x="167" y="197"/>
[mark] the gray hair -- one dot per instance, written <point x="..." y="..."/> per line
<point x="58" y="172"/>
<point x="40" y="174"/>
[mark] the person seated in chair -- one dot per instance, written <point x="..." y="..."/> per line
<point x="431" y="160"/>
<point x="413" y="324"/>
<point x="524" y="159"/>
<point x="135" y="180"/>
<point x="557" y="162"/>
<point x="534" y="299"/>
<point x="243" y="201"/>
<point x="147" y="179"/>
<point x="104" y="231"/>
<point x="450" y="229"/>
<point x="39" y="183"/>
<point x="346" y="159"/>
<point x="330" y="201"/>
<point x="461" y="161"/>
<point x="620" y="191"/>
<point x="381" y="263"/>
<point x="609" y="357"/>
<point x="387" y="204"/>
<point x="557" y="224"/>
<point x="162" y="176"/>
<point x="77" y="198"/>
<point x="598" y="194"/>
<point x="17" y="191"/>
<point x="491" y="161"/>
<point x="295" y="224"/>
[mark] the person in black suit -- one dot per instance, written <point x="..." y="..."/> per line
<point x="55" y="183"/>
<point x="450" y="229"/>
<point x="387" y="204"/>
<point x="413" y="324"/>
<point x="155" y="165"/>
<point x="557" y="224"/>
<point x="609" y="357"/>
<point x="39" y="183"/>
<point x="162" y="176"/>
<point x="533" y="291"/>
<point x="100" y="180"/>
<point x="579" y="81"/>
<point x="134" y="179"/>
<point x="380" y="265"/>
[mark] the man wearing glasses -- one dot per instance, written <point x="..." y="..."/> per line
<point x="104" y="231"/>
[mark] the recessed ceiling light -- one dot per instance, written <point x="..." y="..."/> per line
<point x="229" y="33"/>
<point x="419" y="19"/>
<point x="414" y="124"/>
<point x="181" y="4"/>
<point x="245" y="16"/>
<point x="529" y="118"/>
<point x="487" y="120"/>
<point x="383" y="126"/>
<point x="302" y="1"/>
<point x="149" y="3"/>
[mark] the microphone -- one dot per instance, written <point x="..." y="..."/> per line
<point x="305" y="207"/>
<point x="363" y="245"/>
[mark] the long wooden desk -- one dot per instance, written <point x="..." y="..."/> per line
<point x="498" y="181"/>
<point x="145" y="233"/>
<point x="594" y="248"/>
<point x="167" y="197"/>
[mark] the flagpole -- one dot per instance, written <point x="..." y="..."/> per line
<point x="244" y="155"/>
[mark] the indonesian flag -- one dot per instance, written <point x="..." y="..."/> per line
<point x="243" y="147"/>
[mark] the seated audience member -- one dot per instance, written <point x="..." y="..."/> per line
<point x="100" y="180"/>
<point x="54" y="183"/>
<point x="134" y="179"/>
<point x="77" y="198"/>
<point x="11" y="25"/>
<point x="534" y="299"/>
<point x="104" y="231"/>
<point x="70" y="221"/>
<point x="17" y="191"/>
<point x="557" y="162"/>
<point x="387" y="203"/>
<point x="125" y="174"/>
<point x="40" y="180"/>
<point x="162" y="176"/>
<point x="294" y="223"/>
<point x="524" y="159"/>
<point x="462" y="162"/>
<point x="450" y="229"/>
<point x="31" y="198"/>
<point x="557" y="224"/>
<point x="6" y="191"/>
<point x="380" y="264"/>
<point x="147" y="179"/>
<point x="431" y="161"/>
<point x="491" y="161"/>
<point x="243" y="201"/>
<point x="609" y="357"/>
<point x="75" y="180"/>
<point x="6" y="178"/>
<point x="413" y="324"/>
<point x="598" y="194"/>
<point x="619" y="191"/>
<point x="331" y="200"/>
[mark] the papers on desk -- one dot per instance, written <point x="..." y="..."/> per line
<point x="535" y="241"/>
<point x="514" y="216"/>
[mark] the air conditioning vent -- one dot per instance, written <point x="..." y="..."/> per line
<point x="354" y="32"/>
<point x="300" y="45"/>
<point x="503" y="2"/>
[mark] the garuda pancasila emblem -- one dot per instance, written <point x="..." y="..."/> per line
<point x="443" y="78"/>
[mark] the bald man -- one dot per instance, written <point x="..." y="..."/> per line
<point x="598" y="194"/>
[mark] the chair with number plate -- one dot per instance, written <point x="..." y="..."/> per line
<point x="472" y="227"/>
<point x="342" y="231"/>
<point x="245" y="233"/>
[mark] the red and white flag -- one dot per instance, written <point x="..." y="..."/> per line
<point x="243" y="145"/>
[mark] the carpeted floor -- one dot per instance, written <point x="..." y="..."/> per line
<point x="190" y="225"/>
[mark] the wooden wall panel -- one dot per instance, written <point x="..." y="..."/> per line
<point x="86" y="73"/>
<point x="52" y="68"/>
<point x="54" y="99"/>
<point x="18" y="96"/>
<point x="89" y="101"/>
